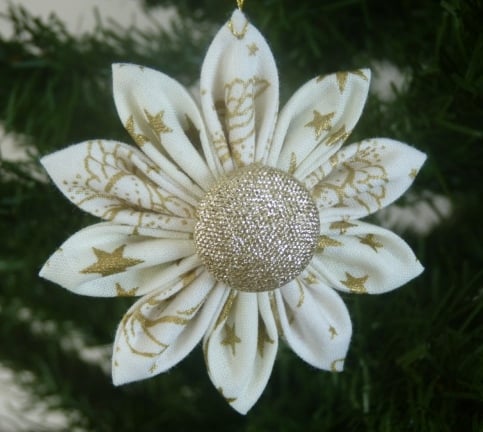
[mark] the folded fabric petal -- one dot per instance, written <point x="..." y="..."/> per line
<point x="239" y="94"/>
<point x="106" y="260"/>
<point x="317" y="120"/>
<point x="159" y="114"/>
<point x="106" y="179"/>
<point x="364" y="258"/>
<point x="240" y="349"/>
<point x="158" y="331"/>
<point x="315" y="322"/>
<point x="365" y="177"/>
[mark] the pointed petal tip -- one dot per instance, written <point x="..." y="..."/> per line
<point x="337" y="365"/>
<point x="43" y="272"/>
<point x="423" y="156"/>
<point x="117" y="66"/>
<point x="418" y="269"/>
<point x="237" y="15"/>
<point x="49" y="161"/>
<point x="242" y="405"/>
<point x="242" y="410"/>
<point x="116" y="380"/>
<point x="417" y="156"/>
<point x="124" y="71"/>
<point x="50" y="269"/>
<point x="122" y="375"/>
<point x="117" y="70"/>
<point x="367" y="72"/>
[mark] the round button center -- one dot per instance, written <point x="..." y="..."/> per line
<point x="257" y="229"/>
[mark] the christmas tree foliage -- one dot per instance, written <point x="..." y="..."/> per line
<point x="416" y="358"/>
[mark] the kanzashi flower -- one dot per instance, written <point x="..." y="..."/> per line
<point x="233" y="226"/>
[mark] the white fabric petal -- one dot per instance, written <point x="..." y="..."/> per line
<point x="239" y="94"/>
<point x="315" y="322"/>
<point x="108" y="260"/>
<point x="241" y="348"/>
<point x="365" y="177"/>
<point x="364" y="258"/>
<point x="158" y="332"/>
<point x="159" y="113"/>
<point x="316" y="121"/>
<point x="108" y="180"/>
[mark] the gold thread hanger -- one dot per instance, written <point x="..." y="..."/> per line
<point x="239" y="34"/>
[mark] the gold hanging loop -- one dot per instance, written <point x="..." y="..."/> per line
<point x="240" y="4"/>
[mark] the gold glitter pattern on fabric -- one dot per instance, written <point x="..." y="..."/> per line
<point x="109" y="263"/>
<point x="256" y="229"/>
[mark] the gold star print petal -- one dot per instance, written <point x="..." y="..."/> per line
<point x="342" y="78"/>
<point x="231" y="339"/>
<point x="342" y="226"/>
<point x="121" y="292"/>
<point x="157" y="123"/>
<point x="325" y="242"/>
<point x="109" y="263"/>
<point x="333" y="332"/>
<point x="139" y="138"/>
<point x="320" y="122"/>
<point x="252" y="49"/>
<point x="370" y="241"/>
<point x="355" y="284"/>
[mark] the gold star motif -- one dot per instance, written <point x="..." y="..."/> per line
<point x="157" y="123"/>
<point x="341" y="78"/>
<point x="339" y="135"/>
<point x="355" y="284"/>
<point x="325" y="241"/>
<point x="359" y="73"/>
<point x="320" y="122"/>
<point x="153" y="368"/>
<point x="262" y="338"/>
<point x="370" y="241"/>
<point x="252" y="49"/>
<point x="333" y="332"/>
<point x="413" y="173"/>
<point x="109" y="263"/>
<point x="138" y="138"/>
<point x="231" y="338"/>
<point x="310" y="279"/>
<point x="121" y="292"/>
<point x="342" y="226"/>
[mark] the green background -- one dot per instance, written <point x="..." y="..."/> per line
<point x="416" y="358"/>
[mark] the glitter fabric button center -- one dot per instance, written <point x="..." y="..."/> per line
<point x="257" y="229"/>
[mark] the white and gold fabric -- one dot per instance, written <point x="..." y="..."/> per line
<point x="235" y="224"/>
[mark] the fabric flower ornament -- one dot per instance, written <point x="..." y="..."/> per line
<point x="234" y="227"/>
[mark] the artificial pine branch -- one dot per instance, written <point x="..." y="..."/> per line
<point x="415" y="362"/>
